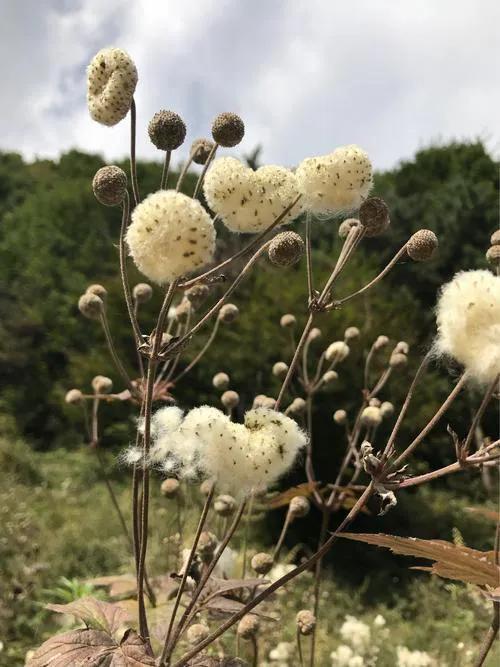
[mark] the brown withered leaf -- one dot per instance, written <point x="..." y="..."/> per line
<point x="484" y="512"/>
<point x="94" y="613"/>
<point x="493" y="594"/>
<point x="451" y="561"/>
<point x="284" y="498"/>
<point x="91" y="648"/>
<point x="210" y="661"/>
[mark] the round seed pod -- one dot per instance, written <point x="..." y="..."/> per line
<point x="207" y="544"/>
<point x="381" y="342"/>
<point x="337" y="351"/>
<point x="329" y="377"/>
<point x="397" y="360"/>
<point x="374" y="402"/>
<point x="102" y="384"/>
<point x="230" y="399"/>
<point x="262" y="563"/>
<point x="299" y="507"/>
<point x="110" y="185"/>
<point x="206" y="487"/>
<point x="200" y="150"/>
<point x="228" y="129"/>
<point x="263" y="401"/>
<point x="142" y="292"/>
<point x="422" y="245"/>
<point x="493" y="255"/>
<point x="314" y="334"/>
<point x="248" y="627"/>
<point x="170" y="487"/>
<point x="297" y="406"/>
<point x="197" y="294"/>
<point x="73" y="396"/>
<point x="91" y="306"/>
<point x="351" y="333"/>
<point x="288" y="320"/>
<point x="495" y="237"/>
<point x="99" y="290"/>
<point x="224" y="505"/>
<point x="220" y="380"/>
<point x="280" y="369"/>
<point x="346" y="226"/>
<point x="286" y="249"/>
<point x="402" y="346"/>
<point x="167" y="130"/>
<point x="306" y="622"/>
<point x="340" y="417"/>
<point x="183" y="309"/>
<point x="386" y="409"/>
<point x="228" y="313"/>
<point x="374" y="216"/>
<point x="371" y="416"/>
<point x="197" y="633"/>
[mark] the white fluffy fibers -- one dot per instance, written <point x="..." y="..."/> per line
<point x="111" y="82"/>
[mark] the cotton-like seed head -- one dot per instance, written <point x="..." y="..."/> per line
<point x="468" y="321"/>
<point x="340" y="417"/>
<point x="280" y="369"/>
<point x="286" y="249"/>
<point x="288" y="320"/>
<point x="346" y="226"/>
<point x="329" y="376"/>
<point x="306" y="622"/>
<point x="228" y="313"/>
<point x="386" y="409"/>
<point x="262" y="563"/>
<point x="248" y="627"/>
<point x="102" y="384"/>
<point x="402" y="346"/>
<point x="142" y="292"/>
<point x="335" y="182"/>
<point x="422" y="245"/>
<point x="197" y="633"/>
<point x="200" y="150"/>
<point x="299" y="507"/>
<point x="170" y="235"/>
<point x="91" y="306"/>
<point x="314" y="334"/>
<point x="197" y="295"/>
<point x="110" y="185"/>
<point x="381" y="342"/>
<point x="207" y="544"/>
<point x="73" y="396"/>
<point x="249" y="201"/>
<point x="167" y="130"/>
<point x="495" y="237"/>
<point x="493" y="255"/>
<point x="397" y="360"/>
<point x="170" y="487"/>
<point x="337" y="351"/>
<point x="220" y="380"/>
<point x="371" y="416"/>
<point x="297" y="406"/>
<point x="99" y="290"/>
<point x="374" y="402"/>
<point x="224" y="505"/>
<point x="374" y="216"/>
<point x="230" y="399"/>
<point x="111" y="81"/>
<point x="351" y="333"/>
<point x="228" y="129"/>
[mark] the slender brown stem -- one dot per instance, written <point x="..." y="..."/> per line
<point x="255" y="647"/>
<point x="281" y="539"/>
<point x="296" y="357"/>
<point x="453" y="467"/>
<point x="184" y="171"/>
<point x="164" y="173"/>
<point x="114" y="355"/>
<point x="299" y="647"/>
<point x="310" y="287"/>
<point x="245" y="535"/>
<point x="200" y="354"/>
<point x="479" y="414"/>
<point x="124" y="275"/>
<point x="133" y="164"/>
<point x="207" y="164"/>
<point x="489" y="637"/>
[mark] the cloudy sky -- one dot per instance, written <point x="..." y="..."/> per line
<point x="305" y="75"/>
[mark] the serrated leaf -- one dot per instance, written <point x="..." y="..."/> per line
<point x="92" y="648"/>
<point x="452" y="561"/>
<point x="97" y="614"/>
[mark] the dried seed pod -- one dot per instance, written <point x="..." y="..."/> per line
<point x="386" y="409"/>
<point x="381" y="342"/>
<point x="73" y="396"/>
<point x="102" y="384"/>
<point x="91" y="305"/>
<point x="142" y="292"/>
<point x="262" y="563"/>
<point x="371" y="416"/>
<point x="228" y="313"/>
<point x="220" y="380"/>
<point x="351" y="333"/>
<point x="248" y="627"/>
<point x="374" y="216"/>
<point x="228" y="129"/>
<point x="493" y="255"/>
<point x="110" y="185"/>
<point x="329" y="377"/>
<point x="422" y="245"/>
<point x="286" y="249"/>
<point x="200" y="150"/>
<point x="207" y="544"/>
<point x="340" y="417"/>
<point x="314" y="334"/>
<point x="170" y="487"/>
<point x="306" y="622"/>
<point x="230" y="399"/>
<point x="197" y="294"/>
<point x="98" y="290"/>
<point x="167" y="130"/>
<point x="224" y="505"/>
<point x="495" y="237"/>
<point x="397" y="360"/>
<point x="197" y="633"/>
<point x="280" y="369"/>
<point x="299" y="507"/>
<point x="346" y="226"/>
<point x="288" y="320"/>
<point x="297" y="406"/>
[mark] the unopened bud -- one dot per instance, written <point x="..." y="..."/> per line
<point x="197" y="294"/>
<point x="280" y="369"/>
<point x="299" y="507"/>
<point x="340" y="417"/>
<point x="297" y="406"/>
<point x="102" y="384"/>
<point x="248" y="627"/>
<point x="381" y="342"/>
<point x="286" y="249"/>
<point x="73" y="396"/>
<point x="374" y="216"/>
<point x="374" y="402"/>
<point x="228" y="313"/>
<point x="495" y="237"/>
<point x="346" y="227"/>
<point x="402" y="346"/>
<point x="207" y="545"/>
<point x="228" y="129"/>
<point x="142" y="292"/>
<point x="220" y="380"/>
<point x="314" y="334"/>
<point x="386" y="409"/>
<point x="422" y="245"/>
<point x="200" y="150"/>
<point x="351" y="333"/>
<point x="182" y="310"/>
<point x="329" y="376"/>
<point x="371" y="416"/>
<point x="262" y="563"/>
<point x="306" y="622"/>
<point x="230" y="399"/>
<point x="197" y="633"/>
<point x="91" y="305"/>
<point x="224" y="505"/>
<point x="110" y="185"/>
<point x="398" y="359"/>
<point x="337" y="351"/>
<point x="288" y="320"/>
<point x="98" y="290"/>
<point x="170" y="487"/>
<point x="493" y="255"/>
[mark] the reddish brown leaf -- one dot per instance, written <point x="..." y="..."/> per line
<point x="284" y="498"/>
<point x="94" y="613"/>
<point x="122" y="585"/>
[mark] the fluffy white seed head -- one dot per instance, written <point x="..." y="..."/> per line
<point x="336" y="182"/>
<point x="468" y="321"/>
<point x="111" y="82"/>
<point x="170" y="235"/>
<point x="247" y="200"/>
<point x="337" y="351"/>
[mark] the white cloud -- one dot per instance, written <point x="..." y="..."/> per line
<point x="306" y="75"/>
